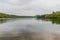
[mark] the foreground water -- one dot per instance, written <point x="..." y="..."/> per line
<point x="29" y="29"/>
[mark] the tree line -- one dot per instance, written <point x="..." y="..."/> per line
<point x="52" y="15"/>
<point x="4" y="15"/>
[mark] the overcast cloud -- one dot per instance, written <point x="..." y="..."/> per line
<point x="29" y="7"/>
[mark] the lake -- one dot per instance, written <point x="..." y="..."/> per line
<point x="29" y="29"/>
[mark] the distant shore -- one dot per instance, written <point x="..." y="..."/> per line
<point x="3" y="15"/>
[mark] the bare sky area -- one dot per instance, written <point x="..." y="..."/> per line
<point x="29" y="7"/>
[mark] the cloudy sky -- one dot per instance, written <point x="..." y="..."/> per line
<point x="29" y="7"/>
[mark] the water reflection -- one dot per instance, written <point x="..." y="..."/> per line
<point x="29" y="29"/>
<point x="3" y="20"/>
<point x="23" y="35"/>
<point x="54" y="21"/>
<point x="28" y="35"/>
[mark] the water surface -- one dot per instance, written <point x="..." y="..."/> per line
<point x="29" y="29"/>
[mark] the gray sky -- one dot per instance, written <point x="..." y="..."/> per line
<point x="29" y="7"/>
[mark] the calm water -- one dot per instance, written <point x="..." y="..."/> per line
<point x="29" y="29"/>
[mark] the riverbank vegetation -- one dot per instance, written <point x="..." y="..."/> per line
<point x="52" y="15"/>
<point x="4" y="15"/>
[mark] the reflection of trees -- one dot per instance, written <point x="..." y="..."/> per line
<point x="3" y="20"/>
<point x="54" y="21"/>
<point x="57" y="21"/>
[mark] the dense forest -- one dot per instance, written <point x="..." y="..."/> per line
<point x="52" y="15"/>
